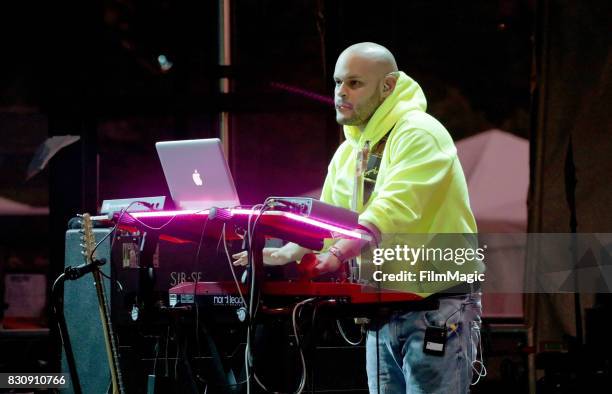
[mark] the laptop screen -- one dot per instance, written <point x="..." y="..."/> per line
<point x="197" y="174"/>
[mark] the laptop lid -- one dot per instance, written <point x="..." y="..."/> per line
<point x="197" y="173"/>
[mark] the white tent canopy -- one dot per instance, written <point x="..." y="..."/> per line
<point x="496" y="167"/>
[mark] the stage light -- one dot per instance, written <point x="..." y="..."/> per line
<point x="164" y="63"/>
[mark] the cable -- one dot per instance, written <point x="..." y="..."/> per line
<point x="253" y="305"/>
<point x="297" y="341"/>
<point x="260" y="383"/>
<point x="167" y="367"/>
<point x="452" y="314"/>
<point x="120" y="286"/>
<point x="230" y="384"/>
<point x="156" y="356"/>
<point x="197" y="323"/>
<point x="143" y="224"/>
<point x="176" y="357"/>
<point x="57" y="280"/>
<point x="264" y="207"/>
<point x="247" y="350"/>
<point x="90" y="257"/>
<point x="229" y="261"/>
<point x="220" y="239"/>
<point x="345" y="337"/>
<point x="482" y="371"/>
<point x="61" y="278"/>
<point x="294" y="315"/>
<point x="113" y="231"/>
<point x="195" y="285"/>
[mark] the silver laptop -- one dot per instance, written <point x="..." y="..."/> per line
<point x="197" y="174"/>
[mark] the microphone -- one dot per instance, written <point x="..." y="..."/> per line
<point x="73" y="273"/>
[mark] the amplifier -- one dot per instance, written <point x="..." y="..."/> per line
<point x="82" y="316"/>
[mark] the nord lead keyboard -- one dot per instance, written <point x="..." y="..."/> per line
<point x="226" y="293"/>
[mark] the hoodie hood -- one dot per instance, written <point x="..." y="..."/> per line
<point x="407" y="96"/>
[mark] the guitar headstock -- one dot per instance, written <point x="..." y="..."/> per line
<point x="88" y="238"/>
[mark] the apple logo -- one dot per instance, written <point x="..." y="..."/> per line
<point x="196" y="178"/>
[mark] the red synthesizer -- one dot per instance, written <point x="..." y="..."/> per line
<point x="226" y="293"/>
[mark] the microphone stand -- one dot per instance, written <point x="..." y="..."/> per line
<point x="65" y="338"/>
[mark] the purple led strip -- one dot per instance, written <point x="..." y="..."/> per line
<point x="248" y="212"/>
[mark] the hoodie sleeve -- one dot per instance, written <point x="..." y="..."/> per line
<point x="418" y="170"/>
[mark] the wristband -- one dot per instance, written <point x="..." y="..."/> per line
<point x="336" y="252"/>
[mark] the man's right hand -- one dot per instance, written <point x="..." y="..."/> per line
<point x="271" y="256"/>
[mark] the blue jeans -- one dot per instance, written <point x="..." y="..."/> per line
<point x="401" y="366"/>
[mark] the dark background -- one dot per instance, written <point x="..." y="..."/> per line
<point x="92" y="69"/>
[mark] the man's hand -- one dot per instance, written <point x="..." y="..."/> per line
<point x="326" y="262"/>
<point x="271" y="256"/>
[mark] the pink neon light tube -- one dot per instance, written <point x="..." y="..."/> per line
<point x="246" y="212"/>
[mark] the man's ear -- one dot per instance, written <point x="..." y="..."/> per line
<point x="389" y="83"/>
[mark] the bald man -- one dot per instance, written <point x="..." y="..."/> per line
<point x="371" y="73"/>
<point x="415" y="185"/>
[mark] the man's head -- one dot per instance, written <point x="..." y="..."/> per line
<point x="365" y="74"/>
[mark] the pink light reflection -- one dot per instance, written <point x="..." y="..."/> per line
<point x="161" y="214"/>
<point x="246" y="212"/>
<point x="326" y="226"/>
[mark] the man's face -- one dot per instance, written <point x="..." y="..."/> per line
<point x="357" y="93"/>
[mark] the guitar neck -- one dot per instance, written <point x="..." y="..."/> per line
<point x="89" y="246"/>
<point x="109" y="335"/>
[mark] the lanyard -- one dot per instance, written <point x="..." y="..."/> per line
<point x="366" y="171"/>
<point x="360" y="169"/>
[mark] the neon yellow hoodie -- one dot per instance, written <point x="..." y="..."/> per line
<point x="420" y="187"/>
